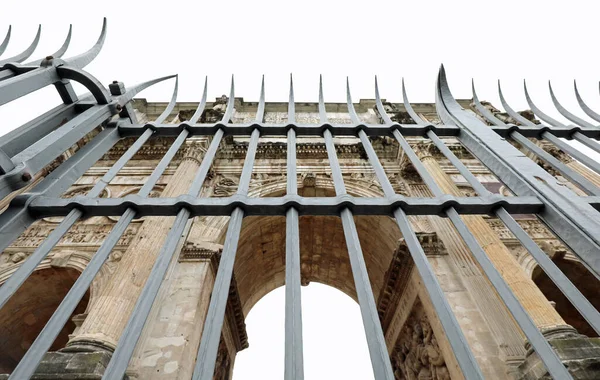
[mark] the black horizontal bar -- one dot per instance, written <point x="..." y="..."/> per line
<point x="281" y="129"/>
<point x="348" y="129"/>
<point x="42" y="207"/>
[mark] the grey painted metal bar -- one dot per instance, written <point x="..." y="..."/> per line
<point x="542" y="347"/>
<point x="131" y="334"/>
<point x="537" y="340"/>
<point x="588" y="111"/>
<point x="585" y="184"/>
<point x="213" y="324"/>
<point x="588" y="142"/>
<point x="8" y="73"/>
<point x="78" y="290"/>
<point x="574" y="152"/>
<point x="17" y="217"/>
<point x="573" y="219"/>
<point x="380" y="360"/>
<point x="20" y="138"/>
<point x="573" y="176"/>
<point x="20" y="85"/>
<point x="41" y="153"/>
<point x="23" y="272"/>
<point x="587" y="310"/>
<point x="456" y="338"/>
<point x="43" y="207"/>
<point x="377" y="349"/>
<point x="18" y="278"/>
<point x="280" y="129"/>
<point x="294" y="358"/>
<point x="34" y="355"/>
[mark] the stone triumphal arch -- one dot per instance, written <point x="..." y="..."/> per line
<point x="136" y="236"/>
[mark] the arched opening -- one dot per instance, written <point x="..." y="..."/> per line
<point x="26" y="313"/>
<point x="260" y="270"/>
<point x="334" y="341"/>
<point x="260" y="259"/>
<point x="584" y="281"/>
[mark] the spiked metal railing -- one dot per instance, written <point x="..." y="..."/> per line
<point x="31" y="147"/>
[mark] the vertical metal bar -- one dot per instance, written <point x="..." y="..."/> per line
<point x="294" y="361"/>
<point x="40" y="346"/>
<point x="16" y="218"/>
<point x="587" y="310"/>
<point x="576" y="154"/>
<point x="42" y="343"/>
<point x="118" y="365"/>
<point x="585" y="184"/>
<point x="213" y="325"/>
<point x="588" y="142"/>
<point x="22" y="273"/>
<point x="131" y="334"/>
<point x="380" y="361"/>
<point x="456" y="338"/>
<point x="25" y="53"/>
<point x="540" y="344"/>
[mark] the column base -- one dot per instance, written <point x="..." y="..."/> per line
<point x="72" y="366"/>
<point x="580" y="354"/>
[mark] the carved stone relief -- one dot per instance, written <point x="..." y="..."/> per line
<point x="417" y="354"/>
<point x="224" y="186"/>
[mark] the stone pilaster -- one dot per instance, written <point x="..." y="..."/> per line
<point x="532" y="299"/>
<point x="107" y="319"/>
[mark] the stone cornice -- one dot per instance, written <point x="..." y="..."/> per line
<point x="396" y="278"/>
<point x="399" y="272"/>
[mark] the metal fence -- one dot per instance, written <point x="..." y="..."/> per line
<point x="31" y="147"/>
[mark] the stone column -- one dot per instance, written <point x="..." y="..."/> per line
<point x="533" y="300"/>
<point x="107" y="319"/>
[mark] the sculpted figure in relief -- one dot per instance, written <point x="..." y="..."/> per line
<point x="417" y="355"/>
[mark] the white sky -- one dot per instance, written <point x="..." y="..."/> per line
<point x="507" y="40"/>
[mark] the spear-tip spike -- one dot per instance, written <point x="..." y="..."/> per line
<point x="4" y="43"/>
<point x="443" y="89"/>
<point x="27" y="52"/>
<point x="202" y="104"/>
<point x="510" y="111"/>
<point x="61" y="51"/>
<point x="83" y="59"/>
<point x="568" y="115"/>
<point x="351" y="110"/>
<point x="418" y="119"/>
<point x="543" y="116"/>
<point x="232" y="88"/>
<point x="473" y="89"/>
<point x="163" y="116"/>
<point x="376" y="88"/>
<point x="588" y="111"/>
<point x="136" y="89"/>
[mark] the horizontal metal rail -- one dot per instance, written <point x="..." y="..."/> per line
<point x="279" y="129"/>
<point x="45" y="206"/>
